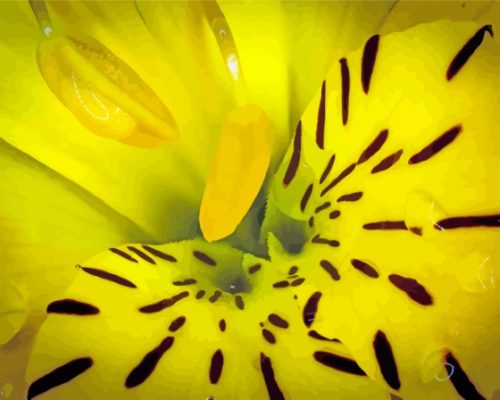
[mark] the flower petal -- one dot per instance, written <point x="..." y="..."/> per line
<point x="200" y="320"/>
<point x="404" y="212"/>
<point x="47" y="224"/>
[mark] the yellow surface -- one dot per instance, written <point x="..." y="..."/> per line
<point x="237" y="172"/>
<point x="410" y="96"/>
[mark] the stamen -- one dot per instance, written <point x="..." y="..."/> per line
<point x="107" y="96"/>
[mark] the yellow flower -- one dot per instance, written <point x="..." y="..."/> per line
<point x="232" y="82"/>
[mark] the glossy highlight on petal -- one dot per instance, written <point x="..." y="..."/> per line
<point x="103" y="92"/>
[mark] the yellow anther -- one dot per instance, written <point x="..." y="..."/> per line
<point x="103" y="92"/>
<point x="237" y="172"/>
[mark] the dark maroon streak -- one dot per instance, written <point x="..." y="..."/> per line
<point x="311" y="222"/>
<point x="436" y="146"/>
<point x="460" y="380"/>
<point x="346" y="172"/>
<point x="385" y="225"/>
<point x="334" y="214"/>
<point x="490" y="221"/>
<point x="315" y="335"/>
<point x="162" y="304"/>
<point x="59" y="376"/>
<point x="417" y="230"/>
<point x="467" y="51"/>
<point x="185" y="282"/>
<point x="322" y="207"/>
<point x="215" y="296"/>
<point x="295" y="159"/>
<point x="386" y="361"/>
<point x="276" y="320"/>
<point x="320" y="127"/>
<point x="205" y="258"/>
<point x="177" y="324"/>
<point x="159" y="254"/>
<point x="222" y="325"/>
<point x="338" y="362"/>
<point x="148" y="364"/>
<point x="387" y="162"/>
<point x="368" y="62"/>
<point x="293" y="270"/>
<point x="297" y="282"/>
<point x="330" y="269"/>
<point x="254" y="268"/>
<point x="73" y="307"/>
<point x="310" y="309"/>
<point x="319" y="240"/>
<point x="216" y="367"/>
<point x="327" y="169"/>
<point x="346" y="83"/>
<point x="305" y="197"/>
<point x="374" y="146"/>
<point x="238" y="300"/>
<point x="109" y="277"/>
<point x="200" y="294"/>
<point x="141" y="254"/>
<point x="273" y="389"/>
<point x="412" y="288"/>
<point x="281" y="284"/>
<point x="122" y="254"/>
<point x="268" y="335"/>
<point x="364" y="268"/>
<point x="350" y="197"/>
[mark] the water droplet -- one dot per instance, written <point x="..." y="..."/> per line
<point x="434" y="367"/>
<point x="221" y="28"/>
<point x="449" y="369"/>
<point x="421" y="209"/>
<point x="47" y="31"/>
<point x="476" y="273"/>
<point x="6" y="390"/>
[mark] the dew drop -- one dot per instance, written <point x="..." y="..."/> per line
<point x="434" y="367"/>
<point x="486" y="274"/>
<point x="421" y="210"/>
<point x="476" y="273"/>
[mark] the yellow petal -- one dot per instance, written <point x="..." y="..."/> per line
<point x="414" y="147"/>
<point x="237" y="172"/>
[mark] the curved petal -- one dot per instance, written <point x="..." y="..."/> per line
<point x="194" y="320"/>
<point x="47" y="224"/>
<point x="400" y="213"/>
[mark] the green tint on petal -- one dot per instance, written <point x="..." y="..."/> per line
<point x="405" y="229"/>
<point x="217" y="323"/>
